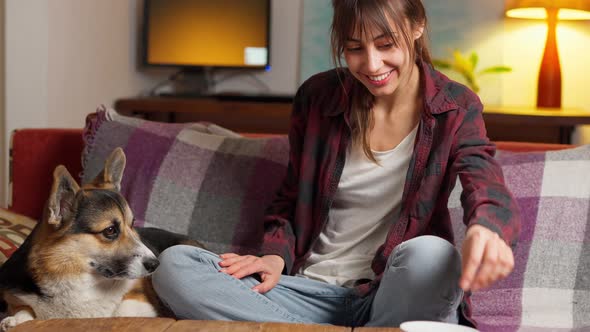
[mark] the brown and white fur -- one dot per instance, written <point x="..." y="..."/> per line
<point x="85" y="259"/>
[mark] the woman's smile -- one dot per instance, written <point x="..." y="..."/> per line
<point x="380" y="79"/>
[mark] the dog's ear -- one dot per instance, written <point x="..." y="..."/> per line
<point x="114" y="168"/>
<point x="112" y="173"/>
<point x="61" y="199"/>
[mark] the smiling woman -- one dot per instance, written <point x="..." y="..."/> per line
<point x="381" y="52"/>
<point x="375" y="149"/>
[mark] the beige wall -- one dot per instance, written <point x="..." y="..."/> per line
<point x="3" y="144"/>
<point x="65" y="57"/>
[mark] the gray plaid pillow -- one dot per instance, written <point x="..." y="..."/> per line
<point x="191" y="178"/>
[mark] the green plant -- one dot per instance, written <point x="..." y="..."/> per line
<point x="466" y="67"/>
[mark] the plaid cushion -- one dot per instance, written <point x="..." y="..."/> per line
<point x="550" y="285"/>
<point x="14" y="229"/>
<point x="191" y="178"/>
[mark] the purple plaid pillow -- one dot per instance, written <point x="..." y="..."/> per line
<point x="191" y="178"/>
<point x="549" y="289"/>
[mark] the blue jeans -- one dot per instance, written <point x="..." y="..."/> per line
<point x="420" y="283"/>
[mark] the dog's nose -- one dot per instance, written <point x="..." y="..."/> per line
<point x="151" y="264"/>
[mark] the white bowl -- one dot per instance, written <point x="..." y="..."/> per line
<point x="426" y="326"/>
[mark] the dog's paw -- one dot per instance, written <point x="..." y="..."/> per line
<point x="8" y="323"/>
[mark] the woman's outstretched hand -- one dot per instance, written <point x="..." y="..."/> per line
<point x="268" y="267"/>
<point x="486" y="259"/>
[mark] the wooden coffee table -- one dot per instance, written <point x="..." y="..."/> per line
<point x="171" y="325"/>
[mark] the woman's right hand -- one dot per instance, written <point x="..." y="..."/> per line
<point x="268" y="267"/>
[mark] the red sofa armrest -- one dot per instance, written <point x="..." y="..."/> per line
<point x="34" y="154"/>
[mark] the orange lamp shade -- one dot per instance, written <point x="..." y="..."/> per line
<point x="549" y="84"/>
<point x="536" y="9"/>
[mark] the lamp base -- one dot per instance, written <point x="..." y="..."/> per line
<point x="549" y="86"/>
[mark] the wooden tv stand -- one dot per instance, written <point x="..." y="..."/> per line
<point x="255" y="114"/>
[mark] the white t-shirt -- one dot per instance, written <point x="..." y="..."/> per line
<point x="366" y="202"/>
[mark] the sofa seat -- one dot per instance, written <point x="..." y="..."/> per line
<point x="550" y="186"/>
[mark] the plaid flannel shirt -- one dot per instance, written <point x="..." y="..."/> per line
<point x="451" y="142"/>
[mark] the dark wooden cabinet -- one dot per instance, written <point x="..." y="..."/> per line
<point x="545" y="125"/>
<point x="270" y="114"/>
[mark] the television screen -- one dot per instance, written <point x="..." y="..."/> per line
<point x="207" y="33"/>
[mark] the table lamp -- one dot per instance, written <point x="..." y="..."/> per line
<point x="549" y="85"/>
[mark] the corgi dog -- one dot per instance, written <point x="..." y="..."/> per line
<point x="84" y="258"/>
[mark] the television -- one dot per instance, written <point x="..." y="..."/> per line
<point x="197" y="34"/>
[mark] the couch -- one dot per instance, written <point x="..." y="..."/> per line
<point x="548" y="291"/>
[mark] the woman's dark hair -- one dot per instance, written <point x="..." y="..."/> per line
<point x="349" y="15"/>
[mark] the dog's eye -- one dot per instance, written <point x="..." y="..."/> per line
<point x="110" y="232"/>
